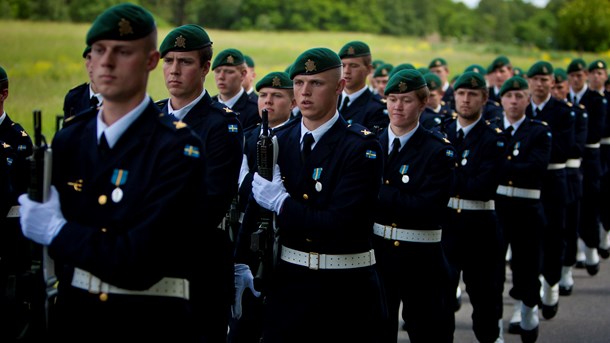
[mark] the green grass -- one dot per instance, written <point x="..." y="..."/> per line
<point x="43" y="60"/>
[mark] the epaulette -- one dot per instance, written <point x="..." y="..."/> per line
<point x="379" y="100"/>
<point x="4" y="145"/>
<point x="170" y="122"/>
<point x="19" y="129"/>
<point x="582" y="107"/>
<point x="383" y="100"/>
<point x="79" y="117"/>
<point x="161" y="103"/>
<point x="86" y="84"/>
<point x="539" y="122"/>
<point x="226" y="110"/>
<point x="443" y="103"/>
<point x="569" y="103"/>
<point x="361" y="131"/>
<point x="497" y="104"/>
<point x="493" y="125"/>
<point x="437" y="134"/>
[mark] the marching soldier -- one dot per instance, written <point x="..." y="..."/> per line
<point x="127" y="188"/>
<point x="248" y="82"/>
<point x="436" y="112"/>
<point x="357" y="103"/>
<point x="580" y="93"/>
<point x="323" y="202"/>
<point x="520" y="211"/>
<point x="186" y="53"/>
<point x="83" y="96"/>
<point x="440" y="67"/>
<point x="493" y="109"/>
<point x="229" y="72"/>
<point x="499" y="71"/>
<point x="417" y="175"/>
<point x="471" y="217"/>
<point x="381" y="76"/>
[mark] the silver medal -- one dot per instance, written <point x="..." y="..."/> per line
<point x="318" y="186"/>
<point x="117" y="194"/>
<point x="515" y="152"/>
<point x="405" y="178"/>
<point x="464" y="161"/>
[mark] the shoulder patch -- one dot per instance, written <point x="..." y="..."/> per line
<point x="582" y="107"/>
<point x="170" y="122"/>
<point x="361" y="131"/>
<point x="161" y="103"/>
<point x="569" y="104"/>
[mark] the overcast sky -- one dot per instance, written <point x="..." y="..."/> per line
<point x="474" y="3"/>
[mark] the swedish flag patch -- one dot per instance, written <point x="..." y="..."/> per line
<point x="191" y="151"/>
<point x="371" y="154"/>
<point x="449" y="153"/>
<point x="500" y="144"/>
<point x="233" y="128"/>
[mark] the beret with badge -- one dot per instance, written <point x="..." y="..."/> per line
<point x="405" y="81"/>
<point x="560" y="75"/>
<point x="276" y="79"/>
<point x="228" y="57"/>
<point x="518" y="72"/>
<point x="377" y="63"/>
<point x="470" y="80"/>
<point x="249" y="61"/>
<point x="437" y="62"/>
<point x="540" y="68"/>
<point x="354" y="49"/>
<point x="383" y="70"/>
<point x="433" y="81"/>
<point x="187" y="37"/>
<point x="423" y="70"/>
<point x="123" y="22"/>
<point x="497" y="63"/>
<point x="597" y="64"/>
<point x="515" y="83"/>
<point x="400" y="67"/>
<point x="314" y="61"/>
<point x="577" y="64"/>
<point x="3" y="76"/>
<point x="477" y="68"/>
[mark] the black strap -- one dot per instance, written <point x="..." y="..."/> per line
<point x="459" y="138"/>
<point x="344" y="105"/>
<point x="307" y="143"/>
<point x="103" y="146"/>
<point x="395" y="150"/>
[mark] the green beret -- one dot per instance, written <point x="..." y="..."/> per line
<point x="249" y="61"/>
<point x="499" y="62"/>
<point x="597" y="64"/>
<point x="314" y="61"/>
<point x="383" y="70"/>
<point x="86" y="51"/>
<point x="402" y="66"/>
<point x="228" y="57"/>
<point x="515" y="83"/>
<point x="423" y="70"/>
<point x="121" y="22"/>
<point x="577" y="64"/>
<point x="3" y="76"/>
<point x="540" y="68"/>
<point x="470" y="80"/>
<point x="477" y="68"/>
<point x="185" y="38"/>
<point x="276" y="79"/>
<point x="433" y="81"/>
<point x="354" y="49"/>
<point x="560" y="75"/>
<point x="455" y="77"/>
<point x="377" y="63"/>
<point x="405" y="81"/>
<point x="518" y="72"/>
<point x="437" y="62"/>
<point x="287" y="70"/>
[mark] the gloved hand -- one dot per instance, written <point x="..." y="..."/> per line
<point x="41" y="222"/>
<point x="243" y="280"/>
<point x="269" y="194"/>
<point x="244" y="170"/>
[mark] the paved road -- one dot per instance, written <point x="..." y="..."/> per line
<point x="583" y="317"/>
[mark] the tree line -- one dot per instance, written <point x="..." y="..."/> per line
<point x="581" y="25"/>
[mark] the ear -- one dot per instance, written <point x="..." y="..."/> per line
<point x="153" y="59"/>
<point x="340" y="86"/>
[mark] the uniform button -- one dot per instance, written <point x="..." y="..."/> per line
<point x="102" y="199"/>
<point x="305" y="196"/>
<point x="459" y="210"/>
<point x="104" y="230"/>
<point x="396" y="243"/>
<point x="103" y="297"/>
<point x="308" y="240"/>
<point x="394" y="225"/>
<point x="509" y="157"/>
<point x="387" y="182"/>
<point x="510" y="183"/>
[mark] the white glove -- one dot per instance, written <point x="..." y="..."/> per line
<point x="269" y="194"/>
<point x="243" y="280"/>
<point x="41" y="222"/>
<point x="244" y="170"/>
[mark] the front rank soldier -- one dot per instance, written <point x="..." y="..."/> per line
<point x="580" y="93"/>
<point x="561" y="91"/>
<point x="186" y="53"/>
<point x="357" y="103"/>
<point x="471" y="237"/>
<point x="230" y="71"/>
<point x="440" y="67"/>
<point x="123" y="219"/>
<point x="83" y="96"/>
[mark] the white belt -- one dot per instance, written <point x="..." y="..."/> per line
<point x="463" y="204"/>
<point x="515" y="192"/>
<point x="573" y="163"/>
<point x="167" y="287"/>
<point x="13" y="212"/>
<point x="593" y="146"/>
<point x="556" y="166"/>
<point x="407" y="235"/>
<point x="605" y="140"/>
<point x="313" y="260"/>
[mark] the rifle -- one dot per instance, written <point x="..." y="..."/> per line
<point x="39" y="190"/>
<point x="264" y="242"/>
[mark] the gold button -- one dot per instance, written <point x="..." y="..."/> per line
<point x="308" y="240"/>
<point x="396" y="243"/>
<point x="305" y="196"/>
<point x="459" y="210"/>
<point x="509" y="158"/>
<point x="510" y="183"/>
<point x="103" y="297"/>
<point x="394" y="225"/>
<point x="387" y="182"/>
<point x="104" y="230"/>
<point x="102" y="199"/>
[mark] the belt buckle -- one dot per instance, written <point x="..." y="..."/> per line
<point x="316" y="264"/>
<point x="387" y="228"/>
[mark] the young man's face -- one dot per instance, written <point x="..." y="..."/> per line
<point x="577" y="79"/>
<point x="228" y="80"/>
<point x="469" y="102"/>
<point x="404" y="110"/>
<point x="183" y="74"/>
<point x="278" y="103"/>
<point x="355" y="73"/>
<point x="514" y="103"/>
<point x="316" y="95"/>
<point x="540" y="85"/>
